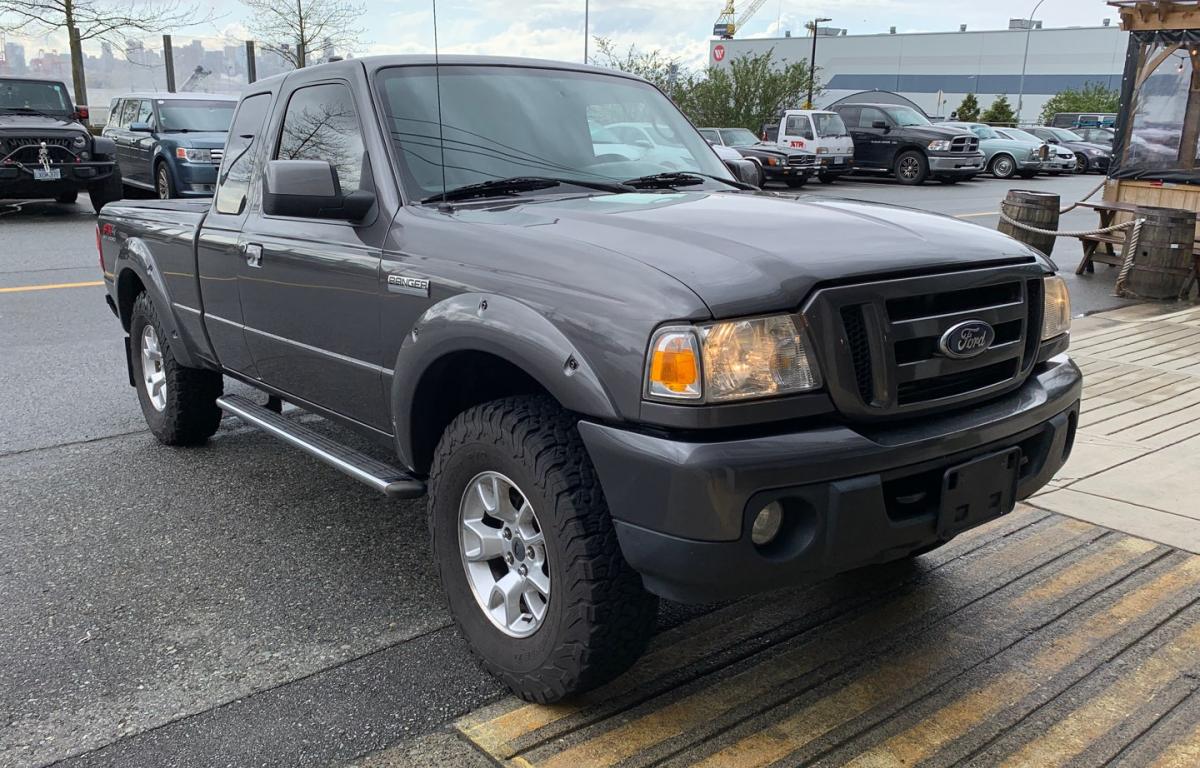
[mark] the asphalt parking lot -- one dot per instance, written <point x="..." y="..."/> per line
<point x="240" y="605"/>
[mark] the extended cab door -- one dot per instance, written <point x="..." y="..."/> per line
<point x="220" y="259"/>
<point x="311" y="299"/>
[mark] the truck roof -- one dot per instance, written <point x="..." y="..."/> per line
<point x="166" y="96"/>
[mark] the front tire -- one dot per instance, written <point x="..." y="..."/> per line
<point x="163" y="186"/>
<point x="67" y="198"/>
<point x="911" y="168"/>
<point x="178" y="403"/>
<point x="827" y="178"/>
<point x="794" y="183"/>
<point x="108" y="191"/>
<point x="1003" y="167"/>
<point x="1081" y="163"/>
<point x="512" y="488"/>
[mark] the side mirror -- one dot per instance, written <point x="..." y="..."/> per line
<point x="310" y="189"/>
<point x="1053" y="140"/>
<point x="140" y="127"/>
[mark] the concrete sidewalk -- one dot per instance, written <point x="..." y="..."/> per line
<point x="1137" y="455"/>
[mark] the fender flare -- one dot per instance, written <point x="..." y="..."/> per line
<point x="504" y="328"/>
<point x="102" y="146"/>
<point x="136" y="257"/>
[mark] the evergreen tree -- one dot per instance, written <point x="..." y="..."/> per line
<point x="1000" y="112"/>
<point x="968" y="110"/>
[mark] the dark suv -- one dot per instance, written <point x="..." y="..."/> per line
<point x="171" y="143"/>
<point x="901" y="141"/>
<point x="46" y="150"/>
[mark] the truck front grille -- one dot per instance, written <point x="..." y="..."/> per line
<point x="879" y="342"/>
<point x="800" y="160"/>
<point x="965" y="144"/>
<point x="218" y="155"/>
<point x="26" y="149"/>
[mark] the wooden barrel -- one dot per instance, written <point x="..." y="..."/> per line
<point x="1035" y="209"/>
<point x="1163" y="259"/>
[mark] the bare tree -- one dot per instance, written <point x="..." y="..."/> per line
<point x="294" y="29"/>
<point x="109" y="20"/>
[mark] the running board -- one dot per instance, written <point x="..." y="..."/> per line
<point x="386" y="479"/>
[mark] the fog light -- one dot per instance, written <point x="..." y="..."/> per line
<point x="766" y="524"/>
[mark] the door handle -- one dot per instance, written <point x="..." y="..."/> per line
<point x="253" y="252"/>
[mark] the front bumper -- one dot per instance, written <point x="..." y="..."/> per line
<point x="956" y="165"/>
<point x="195" y="179"/>
<point x="854" y="495"/>
<point x="17" y="180"/>
<point x="787" y="171"/>
<point x="1098" y="164"/>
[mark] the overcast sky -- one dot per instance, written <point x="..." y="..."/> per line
<point x="681" y="28"/>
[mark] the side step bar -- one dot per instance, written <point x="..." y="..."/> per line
<point x="386" y="479"/>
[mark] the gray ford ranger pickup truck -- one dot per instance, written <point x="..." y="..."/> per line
<point x="613" y="380"/>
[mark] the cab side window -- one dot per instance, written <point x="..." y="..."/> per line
<point x="233" y="182"/>
<point x="850" y="116"/>
<point x="322" y="124"/>
<point x="870" y="116"/>
<point x="799" y="126"/>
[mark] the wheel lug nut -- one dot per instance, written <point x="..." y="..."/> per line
<point x="530" y="553"/>
<point x="523" y="571"/>
<point x="508" y="558"/>
<point x="507" y="533"/>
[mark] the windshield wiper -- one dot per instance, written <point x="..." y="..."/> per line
<point x="672" y="179"/>
<point x="495" y="187"/>
<point x="32" y="111"/>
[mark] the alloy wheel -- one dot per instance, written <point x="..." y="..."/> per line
<point x="154" y="375"/>
<point x="504" y="554"/>
<point x="910" y="167"/>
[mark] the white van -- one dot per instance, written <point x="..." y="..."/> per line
<point x="822" y="133"/>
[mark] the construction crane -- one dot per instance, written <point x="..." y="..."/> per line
<point x="730" y="22"/>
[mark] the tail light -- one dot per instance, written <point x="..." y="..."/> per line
<point x="82" y="113"/>
<point x="99" y="249"/>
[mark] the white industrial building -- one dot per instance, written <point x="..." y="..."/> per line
<point x="923" y="65"/>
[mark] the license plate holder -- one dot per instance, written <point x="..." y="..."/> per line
<point x="839" y="160"/>
<point x="980" y="490"/>
<point x="41" y="174"/>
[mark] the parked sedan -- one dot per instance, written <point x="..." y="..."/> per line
<point x="1060" y="160"/>
<point x="170" y="143"/>
<point x="1102" y="136"/>
<point x="1088" y="157"/>
<point x="1005" y="157"/>
<point x="793" y="167"/>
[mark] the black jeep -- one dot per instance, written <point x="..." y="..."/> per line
<point x="46" y="150"/>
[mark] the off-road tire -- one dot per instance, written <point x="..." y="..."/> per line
<point x="108" y="191"/>
<point x="191" y="415"/>
<point x="599" y="617"/>
<point x="67" y="198"/>
<point x="921" y="172"/>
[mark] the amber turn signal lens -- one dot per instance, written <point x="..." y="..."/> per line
<point x="674" y="365"/>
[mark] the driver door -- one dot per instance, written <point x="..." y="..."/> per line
<point x="877" y="145"/>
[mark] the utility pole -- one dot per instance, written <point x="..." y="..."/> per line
<point x="812" y="62"/>
<point x="169" y="61"/>
<point x="1025" y="60"/>
<point x="586" y="14"/>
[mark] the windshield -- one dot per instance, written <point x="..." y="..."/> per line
<point x="1065" y="135"/>
<point x="738" y="137"/>
<point x="907" y="116"/>
<point x="829" y="125"/>
<point x="195" y="115"/>
<point x="1019" y="135"/>
<point x="37" y="96"/>
<point x="556" y="123"/>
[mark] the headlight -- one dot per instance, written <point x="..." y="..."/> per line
<point x="1056" y="312"/>
<point x="732" y="360"/>
<point x="1034" y="154"/>
<point x="772" y="161"/>
<point x="1093" y="152"/>
<point x="79" y="141"/>
<point x="822" y="150"/>
<point x="940" y="145"/>
<point x="194" y="155"/>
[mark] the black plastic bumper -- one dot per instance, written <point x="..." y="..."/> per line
<point x="17" y="181"/>
<point x="853" y="496"/>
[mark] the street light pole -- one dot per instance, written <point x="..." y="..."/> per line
<point x="586" y="12"/>
<point x="812" y="62"/>
<point x="1025" y="60"/>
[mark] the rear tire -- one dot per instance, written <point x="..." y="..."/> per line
<point x="179" y="403"/>
<point x="108" y="191"/>
<point x="911" y="168"/>
<point x="595" y="616"/>
<point x="67" y="198"/>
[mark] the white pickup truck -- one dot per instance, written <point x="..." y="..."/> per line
<point x="820" y="132"/>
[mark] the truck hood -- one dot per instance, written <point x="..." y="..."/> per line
<point x="16" y="121"/>
<point x="197" y="140"/>
<point x="932" y="132"/>
<point x="748" y="253"/>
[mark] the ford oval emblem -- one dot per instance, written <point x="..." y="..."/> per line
<point x="968" y="339"/>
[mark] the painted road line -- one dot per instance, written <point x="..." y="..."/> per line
<point x="51" y="287"/>
<point x="507" y="728"/>
<point x="660" y="722"/>
<point x="923" y="670"/>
